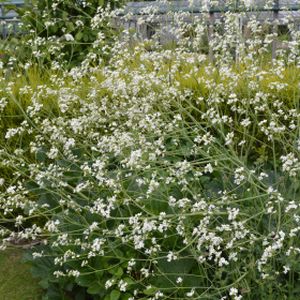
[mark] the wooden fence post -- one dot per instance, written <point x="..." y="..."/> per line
<point x="2" y="19"/>
<point x="240" y="23"/>
<point x="211" y="22"/>
<point x="275" y="27"/>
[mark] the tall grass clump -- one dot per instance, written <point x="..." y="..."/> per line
<point x="160" y="175"/>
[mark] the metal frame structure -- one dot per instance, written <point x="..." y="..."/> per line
<point x="130" y="16"/>
<point x="199" y="6"/>
<point x="9" y="18"/>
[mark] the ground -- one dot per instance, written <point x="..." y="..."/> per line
<point x="16" y="282"/>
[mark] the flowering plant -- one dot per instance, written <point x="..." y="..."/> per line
<point x="161" y="175"/>
<point x="67" y="32"/>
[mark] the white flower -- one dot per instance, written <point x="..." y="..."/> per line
<point x="246" y="122"/>
<point x="69" y="37"/>
<point x="122" y="285"/>
<point x="171" y="256"/>
<point x="248" y="3"/>
<point x="286" y="269"/>
<point x="229" y="138"/>
<point x="52" y="154"/>
<point x="79" y="23"/>
<point x="73" y="273"/>
<point x="232" y="213"/>
<point x="109" y="283"/>
<point x="179" y="280"/>
<point x="290" y="164"/>
<point x="19" y="220"/>
<point x="223" y="262"/>
<point x="239" y="175"/>
<point x="190" y="293"/>
<point x="233" y="291"/>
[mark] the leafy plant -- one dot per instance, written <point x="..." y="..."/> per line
<point x="159" y="175"/>
<point x="66" y="32"/>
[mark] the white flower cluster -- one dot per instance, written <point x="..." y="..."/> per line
<point x="161" y="163"/>
<point x="290" y="164"/>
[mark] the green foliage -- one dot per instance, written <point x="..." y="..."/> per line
<point x="75" y="218"/>
<point x="66" y="32"/>
<point x="158" y="175"/>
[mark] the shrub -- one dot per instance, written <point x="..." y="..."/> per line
<point x="161" y="176"/>
<point x="66" y="32"/>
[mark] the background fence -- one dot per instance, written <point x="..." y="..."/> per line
<point x="276" y="13"/>
<point x="9" y="20"/>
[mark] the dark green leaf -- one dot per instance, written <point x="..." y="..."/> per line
<point x="115" y="295"/>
